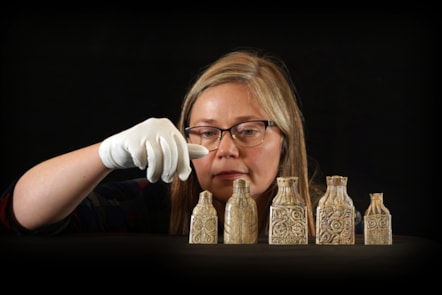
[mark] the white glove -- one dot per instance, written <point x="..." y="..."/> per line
<point x="155" y="143"/>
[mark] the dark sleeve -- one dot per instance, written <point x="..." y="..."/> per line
<point x="7" y="224"/>
<point x="126" y="206"/>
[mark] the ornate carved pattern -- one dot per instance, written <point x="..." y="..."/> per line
<point x="335" y="225"/>
<point x="288" y="225"/>
<point x="204" y="230"/>
<point x="377" y="229"/>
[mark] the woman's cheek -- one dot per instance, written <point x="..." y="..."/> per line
<point x="202" y="170"/>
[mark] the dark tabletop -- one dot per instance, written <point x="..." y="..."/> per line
<point x="408" y="257"/>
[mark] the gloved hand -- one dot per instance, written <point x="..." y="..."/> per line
<point x="156" y="144"/>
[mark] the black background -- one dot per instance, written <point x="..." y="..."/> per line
<point x="71" y="77"/>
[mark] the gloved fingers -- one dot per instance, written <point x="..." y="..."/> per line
<point x="183" y="158"/>
<point x="155" y="145"/>
<point x="197" y="151"/>
<point x="170" y="159"/>
<point x="138" y="154"/>
<point x="155" y="161"/>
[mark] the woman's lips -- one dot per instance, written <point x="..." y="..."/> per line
<point x="229" y="175"/>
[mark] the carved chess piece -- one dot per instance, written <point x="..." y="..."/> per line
<point x="204" y="221"/>
<point x="288" y="215"/>
<point x="335" y="214"/>
<point x="241" y="216"/>
<point x="377" y="222"/>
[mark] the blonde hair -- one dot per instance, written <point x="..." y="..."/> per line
<point x="268" y="80"/>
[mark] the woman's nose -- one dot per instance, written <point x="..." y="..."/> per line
<point x="227" y="144"/>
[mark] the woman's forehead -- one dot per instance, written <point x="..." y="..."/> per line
<point x="227" y="102"/>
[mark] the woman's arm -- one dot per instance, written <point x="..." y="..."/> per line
<point x="51" y="190"/>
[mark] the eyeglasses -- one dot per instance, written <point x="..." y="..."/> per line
<point x="245" y="134"/>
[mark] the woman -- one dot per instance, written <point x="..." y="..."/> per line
<point x="240" y="118"/>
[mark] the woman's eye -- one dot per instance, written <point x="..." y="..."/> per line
<point x="207" y="134"/>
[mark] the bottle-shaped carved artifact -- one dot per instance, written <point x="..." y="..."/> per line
<point x="377" y="222"/>
<point x="241" y="216"/>
<point x="204" y="221"/>
<point x="288" y="214"/>
<point x="335" y="214"/>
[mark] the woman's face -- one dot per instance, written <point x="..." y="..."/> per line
<point x="223" y="106"/>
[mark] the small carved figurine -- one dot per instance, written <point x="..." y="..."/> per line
<point x="288" y="223"/>
<point x="335" y="214"/>
<point x="241" y="216"/>
<point x="377" y="222"/>
<point x="204" y="221"/>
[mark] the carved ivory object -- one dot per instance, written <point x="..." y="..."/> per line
<point x="335" y="214"/>
<point x="288" y="224"/>
<point x="204" y="221"/>
<point x="377" y="222"/>
<point x="241" y="216"/>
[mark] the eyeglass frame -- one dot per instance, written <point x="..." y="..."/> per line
<point x="267" y="123"/>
